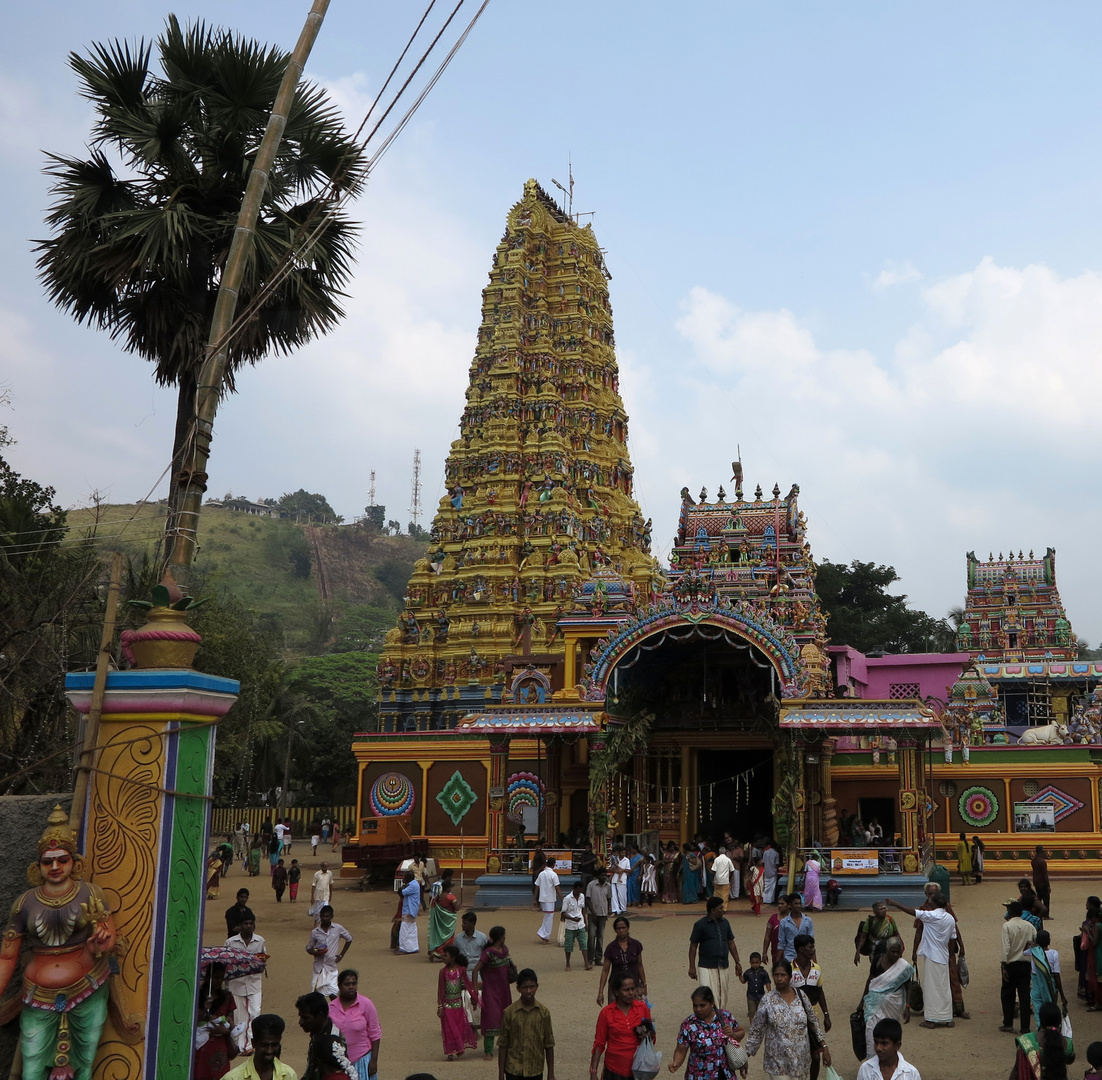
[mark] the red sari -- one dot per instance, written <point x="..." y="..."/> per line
<point x="212" y="1059"/>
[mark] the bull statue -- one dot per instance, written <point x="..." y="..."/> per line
<point x="1050" y="735"/>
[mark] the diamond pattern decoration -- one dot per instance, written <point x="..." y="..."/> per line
<point x="457" y="797"/>
<point x="1065" y="804"/>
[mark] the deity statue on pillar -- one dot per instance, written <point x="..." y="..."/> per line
<point x="66" y="983"/>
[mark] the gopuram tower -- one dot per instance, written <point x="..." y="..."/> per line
<point x="539" y="488"/>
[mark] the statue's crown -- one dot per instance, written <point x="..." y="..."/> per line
<point x="57" y="833"/>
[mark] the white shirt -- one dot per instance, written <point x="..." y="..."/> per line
<point x="547" y="882"/>
<point x="620" y="868"/>
<point x="323" y="879"/>
<point x="246" y="984"/>
<point x="1053" y="958"/>
<point x="870" y="1070"/>
<point x="938" y="929"/>
<point x="280" y="829"/>
<point x="721" y="869"/>
<point x="573" y="911"/>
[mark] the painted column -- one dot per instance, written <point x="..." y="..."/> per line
<point x="909" y="781"/>
<point x="424" y="766"/>
<point x="830" y="815"/>
<point x="499" y="797"/>
<point x="553" y="792"/>
<point x="146" y="836"/>
<point x="598" y="801"/>
<point x="686" y="792"/>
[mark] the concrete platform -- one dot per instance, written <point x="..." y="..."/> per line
<point x="515" y="890"/>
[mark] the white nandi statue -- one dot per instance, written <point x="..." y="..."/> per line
<point x="1055" y="734"/>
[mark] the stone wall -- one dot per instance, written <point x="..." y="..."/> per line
<point x="22" y="819"/>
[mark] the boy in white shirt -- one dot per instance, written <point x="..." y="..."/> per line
<point x="573" y="917"/>
<point x="887" y="1038"/>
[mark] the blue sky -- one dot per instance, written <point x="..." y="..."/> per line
<point x="860" y="241"/>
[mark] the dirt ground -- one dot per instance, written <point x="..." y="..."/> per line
<point x="403" y="988"/>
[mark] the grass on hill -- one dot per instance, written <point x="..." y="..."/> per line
<point x="272" y="565"/>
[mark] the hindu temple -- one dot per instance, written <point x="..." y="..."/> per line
<point x="548" y="678"/>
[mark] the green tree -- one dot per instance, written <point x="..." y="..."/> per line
<point x="394" y="575"/>
<point x="141" y="226"/>
<point x="375" y="517"/>
<point x="305" y="505"/>
<point x="51" y="612"/>
<point x="863" y="614"/>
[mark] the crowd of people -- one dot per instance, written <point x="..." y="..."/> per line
<point x="787" y="1018"/>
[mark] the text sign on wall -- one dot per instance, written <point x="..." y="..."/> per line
<point x="854" y="861"/>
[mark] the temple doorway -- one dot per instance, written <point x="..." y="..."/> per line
<point x="735" y="792"/>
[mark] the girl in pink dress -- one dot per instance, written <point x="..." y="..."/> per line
<point x="495" y="967"/>
<point x="455" y="1028"/>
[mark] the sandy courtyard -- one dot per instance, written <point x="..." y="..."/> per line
<point x="403" y="988"/>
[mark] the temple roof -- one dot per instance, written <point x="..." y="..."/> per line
<point x="857" y="715"/>
<point x="526" y="721"/>
<point x="1056" y="671"/>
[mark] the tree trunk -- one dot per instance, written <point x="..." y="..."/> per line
<point x="185" y="417"/>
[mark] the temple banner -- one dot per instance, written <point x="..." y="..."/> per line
<point x="854" y="861"/>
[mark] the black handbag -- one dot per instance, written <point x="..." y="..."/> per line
<point x="857" y="1032"/>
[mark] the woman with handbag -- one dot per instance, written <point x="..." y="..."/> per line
<point x="786" y="1024"/>
<point x="887" y="990"/>
<point x="621" y="1026"/>
<point x="497" y="971"/>
<point x="704" y="1038"/>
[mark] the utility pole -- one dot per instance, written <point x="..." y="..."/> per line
<point x="415" y="500"/>
<point x="211" y="380"/>
<point x="371" y="490"/>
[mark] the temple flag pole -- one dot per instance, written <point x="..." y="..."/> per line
<point x="462" y="860"/>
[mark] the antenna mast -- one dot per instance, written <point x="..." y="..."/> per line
<point x="371" y="490"/>
<point x="415" y="499"/>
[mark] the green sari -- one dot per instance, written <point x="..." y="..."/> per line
<point x="443" y="916"/>
<point x="1029" y="1056"/>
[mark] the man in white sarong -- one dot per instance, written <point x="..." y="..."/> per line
<point x="620" y="866"/>
<point x="938" y="929"/>
<point x="411" y="905"/>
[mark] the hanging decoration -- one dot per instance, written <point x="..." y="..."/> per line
<point x="978" y="806"/>
<point x="392" y="795"/>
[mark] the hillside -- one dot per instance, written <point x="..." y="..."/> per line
<point x="312" y="583"/>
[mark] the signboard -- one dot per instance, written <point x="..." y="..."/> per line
<point x="564" y="860"/>
<point x="854" y="861"/>
<point x="1034" y="817"/>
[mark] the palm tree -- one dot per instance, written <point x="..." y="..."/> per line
<point x="142" y="226"/>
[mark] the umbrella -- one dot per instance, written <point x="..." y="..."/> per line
<point x="236" y="962"/>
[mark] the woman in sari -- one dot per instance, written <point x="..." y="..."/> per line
<point x="964" y="860"/>
<point x="690" y="875"/>
<point x="670" y="884"/>
<point x="1046" y="1053"/>
<point x="813" y="896"/>
<point x="886" y="990"/>
<point x="256" y="850"/>
<point x="443" y="914"/>
<point x="977" y="858"/>
<point x="495" y="968"/>
<point x="635" y="878"/>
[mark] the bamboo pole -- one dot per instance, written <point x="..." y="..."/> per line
<point x="193" y="473"/>
<point x="95" y="708"/>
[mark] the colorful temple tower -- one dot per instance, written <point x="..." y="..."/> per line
<point x="539" y="482"/>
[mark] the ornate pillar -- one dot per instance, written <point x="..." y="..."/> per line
<point x="909" y="785"/>
<point x="830" y="815"/>
<point x="424" y="766"/>
<point x="499" y="770"/>
<point x="553" y="791"/>
<point x="598" y="800"/>
<point x="146" y="831"/>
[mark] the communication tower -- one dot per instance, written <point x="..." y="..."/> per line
<point x="415" y="499"/>
<point x="371" y="490"/>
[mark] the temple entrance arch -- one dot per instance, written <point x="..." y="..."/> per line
<point x="709" y="697"/>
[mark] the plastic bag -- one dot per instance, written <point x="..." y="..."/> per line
<point x="647" y="1061"/>
<point x="1065" y="1027"/>
<point x="962" y="971"/>
<point x="857" y="1033"/>
<point x="562" y="933"/>
<point x="830" y="1073"/>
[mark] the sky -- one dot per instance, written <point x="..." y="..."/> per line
<point x="858" y="243"/>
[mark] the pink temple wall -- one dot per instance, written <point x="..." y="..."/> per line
<point x="875" y="676"/>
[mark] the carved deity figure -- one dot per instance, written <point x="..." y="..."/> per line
<point x="71" y="934"/>
<point x="964" y="637"/>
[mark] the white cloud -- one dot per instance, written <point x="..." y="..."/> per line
<point x="895" y="274"/>
<point x="976" y="431"/>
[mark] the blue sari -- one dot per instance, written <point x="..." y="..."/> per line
<point x="635" y="879"/>
<point x="690" y="883"/>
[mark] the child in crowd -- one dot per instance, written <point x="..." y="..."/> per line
<point x="294" y="874"/>
<point x="833" y="893"/>
<point x="756" y="978"/>
<point x="1094" y="1059"/>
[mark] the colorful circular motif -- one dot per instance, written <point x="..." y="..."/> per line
<point x="978" y="806"/>
<point x="391" y="795"/>
<point x="523" y="789"/>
